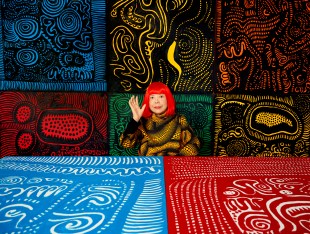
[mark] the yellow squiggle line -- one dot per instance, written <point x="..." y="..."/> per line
<point x="171" y="60"/>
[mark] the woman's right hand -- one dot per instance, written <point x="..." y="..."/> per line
<point x="135" y="108"/>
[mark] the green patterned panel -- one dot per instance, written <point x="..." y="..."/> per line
<point x="120" y="114"/>
<point x="262" y="126"/>
<point x="197" y="108"/>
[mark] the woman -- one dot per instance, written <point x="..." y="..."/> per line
<point x="157" y="128"/>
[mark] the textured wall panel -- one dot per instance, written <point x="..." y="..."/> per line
<point x="168" y="41"/>
<point x="262" y="46"/>
<point x="262" y="125"/>
<point x="53" y="45"/>
<point x="40" y="123"/>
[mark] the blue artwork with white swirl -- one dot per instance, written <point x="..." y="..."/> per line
<point x="87" y="194"/>
<point x="53" y="45"/>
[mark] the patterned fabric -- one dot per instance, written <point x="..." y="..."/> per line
<point x="161" y="136"/>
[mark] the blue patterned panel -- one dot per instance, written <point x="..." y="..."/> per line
<point x="82" y="195"/>
<point x="53" y="45"/>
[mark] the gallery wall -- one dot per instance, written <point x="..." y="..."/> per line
<point x="239" y="71"/>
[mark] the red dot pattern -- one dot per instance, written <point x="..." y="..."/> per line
<point x="25" y="141"/>
<point x="65" y="126"/>
<point x="23" y="114"/>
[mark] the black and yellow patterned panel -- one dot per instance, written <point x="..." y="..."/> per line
<point x="262" y="46"/>
<point x="198" y="110"/>
<point x="167" y="41"/>
<point x="262" y="126"/>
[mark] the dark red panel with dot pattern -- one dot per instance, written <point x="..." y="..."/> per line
<point x="53" y="123"/>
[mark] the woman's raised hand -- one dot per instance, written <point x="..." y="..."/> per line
<point x="135" y="108"/>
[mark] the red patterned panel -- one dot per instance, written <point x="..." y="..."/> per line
<point x="68" y="126"/>
<point x="53" y="123"/>
<point x="237" y="195"/>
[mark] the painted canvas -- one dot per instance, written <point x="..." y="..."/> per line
<point x="262" y="126"/>
<point x="237" y="195"/>
<point x="262" y="46"/>
<point x="53" y="123"/>
<point x="53" y="45"/>
<point x="167" y="41"/>
<point x="82" y="195"/>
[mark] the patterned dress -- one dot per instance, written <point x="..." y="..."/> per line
<point x="160" y="135"/>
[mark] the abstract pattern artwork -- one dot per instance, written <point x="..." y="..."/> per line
<point x="168" y="41"/>
<point x="51" y="124"/>
<point x="239" y="69"/>
<point x="267" y="126"/>
<point x="237" y="195"/>
<point x="53" y="45"/>
<point x="82" y="195"/>
<point x="262" y="46"/>
<point x="198" y="109"/>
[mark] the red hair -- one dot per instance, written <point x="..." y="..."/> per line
<point x="158" y="88"/>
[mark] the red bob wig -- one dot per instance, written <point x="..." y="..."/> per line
<point x="158" y="88"/>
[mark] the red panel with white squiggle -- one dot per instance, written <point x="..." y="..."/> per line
<point x="237" y="195"/>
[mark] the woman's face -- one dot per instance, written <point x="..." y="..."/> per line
<point x="158" y="103"/>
